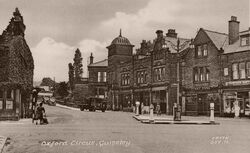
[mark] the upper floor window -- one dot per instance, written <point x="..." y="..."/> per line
<point x="125" y="79"/>
<point x="159" y="74"/>
<point x="141" y="77"/>
<point x="248" y="69"/>
<point x="241" y="70"/>
<point x="201" y="50"/>
<point x="225" y="71"/>
<point x="201" y="74"/>
<point x="235" y="71"/>
<point x="102" y="77"/>
<point x="244" y="41"/>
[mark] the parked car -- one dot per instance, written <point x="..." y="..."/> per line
<point x="93" y="104"/>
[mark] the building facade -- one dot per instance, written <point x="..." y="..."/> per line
<point x="16" y="71"/>
<point x="216" y="71"/>
<point x="147" y="76"/>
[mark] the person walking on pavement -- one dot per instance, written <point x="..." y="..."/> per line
<point x="40" y="112"/>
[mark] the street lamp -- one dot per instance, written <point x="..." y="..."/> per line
<point x="178" y="47"/>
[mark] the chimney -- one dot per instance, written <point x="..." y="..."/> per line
<point x="233" y="30"/>
<point x="91" y="58"/>
<point x="171" y="33"/>
<point x="159" y="33"/>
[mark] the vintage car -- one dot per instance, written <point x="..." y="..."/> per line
<point x="93" y="104"/>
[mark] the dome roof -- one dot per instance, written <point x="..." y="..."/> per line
<point x="120" y="40"/>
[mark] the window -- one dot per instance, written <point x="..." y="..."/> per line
<point x="196" y="75"/>
<point x="102" y="77"/>
<point x="159" y="74"/>
<point x="248" y="69"/>
<point x="141" y="77"/>
<point x="199" y="51"/>
<point x="235" y="71"/>
<point x="205" y="50"/>
<point x="125" y="79"/>
<point x="242" y="70"/>
<point x="244" y="41"/>
<point x="10" y="94"/>
<point x="202" y="50"/>
<point x="225" y="71"/>
<point x="201" y="74"/>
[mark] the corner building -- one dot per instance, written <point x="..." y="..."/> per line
<point x="148" y="76"/>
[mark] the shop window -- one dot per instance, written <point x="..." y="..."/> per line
<point x="248" y="69"/>
<point x="242" y="70"/>
<point x="235" y="71"/>
<point x="225" y="71"/>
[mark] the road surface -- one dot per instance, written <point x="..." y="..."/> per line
<point x="72" y="131"/>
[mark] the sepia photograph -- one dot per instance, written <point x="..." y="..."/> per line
<point x="124" y="76"/>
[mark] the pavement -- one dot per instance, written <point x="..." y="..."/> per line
<point x="72" y="131"/>
<point x="164" y="119"/>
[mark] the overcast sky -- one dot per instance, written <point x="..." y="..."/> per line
<point x="55" y="28"/>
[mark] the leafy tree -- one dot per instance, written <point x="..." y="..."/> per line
<point x="62" y="89"/>
<point x="78" y="65"/>
<point x="47" y="81"/>
<point x="71" y="76"/>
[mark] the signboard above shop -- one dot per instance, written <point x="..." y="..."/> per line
<point x="238" y="83"/>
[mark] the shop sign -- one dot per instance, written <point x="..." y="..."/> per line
<point x="238" y="83"/>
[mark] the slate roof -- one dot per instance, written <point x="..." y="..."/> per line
<point x="102" y="63"/>
<point x="220" y="40"/>
<point x="172" y="43"/>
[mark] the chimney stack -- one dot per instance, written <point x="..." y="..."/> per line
<point x="159" y="33"/>
<point x="171" y="33"/>
<point x="233" y="30"/>
<point x="91" y="58"/>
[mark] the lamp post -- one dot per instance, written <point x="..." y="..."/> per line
<point x="178" y="47"/>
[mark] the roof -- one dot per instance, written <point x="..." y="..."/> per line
<point x="220" y="40"/>
<point x="172" y="43"/>
<point x="236" y="47"/>
<point x="121" y="41"/>
<point x="100" y="63"/>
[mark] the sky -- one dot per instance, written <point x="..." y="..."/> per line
<point x="56" y="28"/>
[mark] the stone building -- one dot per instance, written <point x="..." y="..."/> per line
<point x="148" y="76"/>
<point x="97" y="77"/>
<point x="16" y="70"/>
<point x="216" y="70"/>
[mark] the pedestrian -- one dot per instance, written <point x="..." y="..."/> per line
<point x="40" y="112"/>
<point x="158" y="109"/>
<point x="142" y="108"/>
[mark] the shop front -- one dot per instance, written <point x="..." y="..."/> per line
<point x="198" y="103"/>
<point x="160" y="96"/>
<point x="241" y="98"/>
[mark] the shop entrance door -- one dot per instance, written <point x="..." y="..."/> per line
<point x="243" y="98"/>
<point x="202" y="104"/>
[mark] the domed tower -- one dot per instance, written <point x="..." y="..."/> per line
<point x="119" y="51"/>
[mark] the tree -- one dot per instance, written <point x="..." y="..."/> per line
<point x="78" y="65"/>
<point x="71" y="76"/>
<point x="47" y="81"/>
<point x="62" y="89"/>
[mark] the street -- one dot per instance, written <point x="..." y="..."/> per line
<point x="72" y="131"/>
